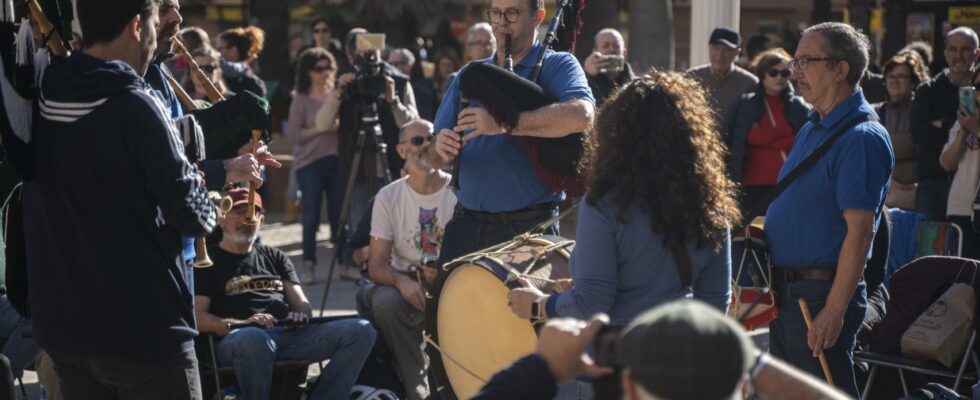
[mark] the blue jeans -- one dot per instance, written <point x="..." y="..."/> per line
<point x="788" y="333"/>
<point x="253" y="351"/>
<point x="170" y="376"/>
<point x="20" y="350"/>
<point x="931" y="197"/>
<point x="466" y="234"/>
<point x="320" y="176"/>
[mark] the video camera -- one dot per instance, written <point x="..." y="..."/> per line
<point x="369" y="84"/>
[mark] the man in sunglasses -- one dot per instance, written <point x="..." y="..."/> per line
<point x="723" y="80"/>
<point x="407" y="226"/>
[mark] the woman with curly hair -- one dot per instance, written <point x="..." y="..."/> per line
<point x="658" y="178"/>
<point x="239" y="47"/>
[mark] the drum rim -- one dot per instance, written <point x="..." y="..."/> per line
<point x="436" y="366"/>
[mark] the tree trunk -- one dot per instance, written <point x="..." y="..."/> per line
<point x="860" y="11"/>
<point x="651" y="39"/>
<point x="821" y="12"/>
<point x="896" y="12"/>
<point x="597" y="15"/>
<point x="273" y="18"/>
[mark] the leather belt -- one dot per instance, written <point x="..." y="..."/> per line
<point x="535" y="211"/>
<point x="792" y="275"/>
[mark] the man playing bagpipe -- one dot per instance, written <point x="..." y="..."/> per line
<point x="502" y="189"/>
<point x="253" y="283"/>
<point x="224" y="126"/>
<point x="109" y="195"/>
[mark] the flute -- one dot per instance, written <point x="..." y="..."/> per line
<point x="454" y="181"/>
<point x="51" y="35"/>
<point x="508" y="56"/>
<point x="250" y="213"/>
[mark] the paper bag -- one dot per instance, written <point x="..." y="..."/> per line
<point x="943" y="330"/>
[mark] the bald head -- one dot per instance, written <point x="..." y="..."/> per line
<point x="610" y="42"/>
<point x="416" y="127"/>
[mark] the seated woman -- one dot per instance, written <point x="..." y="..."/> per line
<point x="658" y="179"/>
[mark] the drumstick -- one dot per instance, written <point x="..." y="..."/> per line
<point x="250" y="214"/>
<point x="213" y="94"/>
<point x="823" y="359"/>
<point x="201" y="259"/>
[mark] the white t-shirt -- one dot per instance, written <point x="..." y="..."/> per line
<point x="413" y="222"/>
<point x="964" y="187"/>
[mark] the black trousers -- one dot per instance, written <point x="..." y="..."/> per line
<point x="171" y="377"/>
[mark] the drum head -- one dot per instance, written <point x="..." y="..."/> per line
<point x="472" y="311"/>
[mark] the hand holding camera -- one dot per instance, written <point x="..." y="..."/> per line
<point x="598" y="63"/>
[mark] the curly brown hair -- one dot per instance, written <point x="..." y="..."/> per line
<point x="657" y="145"/>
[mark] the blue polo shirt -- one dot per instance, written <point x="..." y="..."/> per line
<point x="497" y="173"/>
<point x="805" y="225"/>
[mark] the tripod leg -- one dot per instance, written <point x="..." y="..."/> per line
<point x="344" y="212"/>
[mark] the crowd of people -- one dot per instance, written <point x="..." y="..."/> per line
<point x="675" y="162"/>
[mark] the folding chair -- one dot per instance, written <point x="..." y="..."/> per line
<point x="935" y="238"/>
<point x="915" y="286"/>
<point x="286" y="381"/>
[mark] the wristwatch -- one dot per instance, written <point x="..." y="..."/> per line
<point x="538" y="309"/>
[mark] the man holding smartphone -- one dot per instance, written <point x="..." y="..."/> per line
<point x="606" y="68"/>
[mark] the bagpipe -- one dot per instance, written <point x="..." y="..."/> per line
<point x="559" y="162"/>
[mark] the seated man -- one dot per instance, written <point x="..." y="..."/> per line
<point x="407" y="224"/>
<point x="252" y="283"/>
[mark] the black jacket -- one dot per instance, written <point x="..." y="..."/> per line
<point x="602" y="86"/>
<point x="111" y="195"/>
<point x="350" y="124"/>
<point x="937" y="99"/>
<point x="745" y="112"/>
<point x="526" y="379"/>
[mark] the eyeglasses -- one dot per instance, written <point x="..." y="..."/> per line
<point x="419" y="140"/>
<point x="512" y="15"/>
<point x="479" y="43"/>
<point x="319" y="68"/>
<point x="802" y="63"/>
<point x="898" y="78"/>
<point x="785" y="73"/>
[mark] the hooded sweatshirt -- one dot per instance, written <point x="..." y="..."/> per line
<point x="111" y="196"/>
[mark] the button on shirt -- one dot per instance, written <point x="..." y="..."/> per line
<point x="497" y="174"/>
<point x="805" y="226"/>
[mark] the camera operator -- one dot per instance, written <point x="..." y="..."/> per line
<point x="375" y="83"/>
<point x="606" y="68"/>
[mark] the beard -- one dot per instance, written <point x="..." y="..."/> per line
<point x="165" y="38"/>
<point x="244" y="234"/>
<point x="148" y="47"/>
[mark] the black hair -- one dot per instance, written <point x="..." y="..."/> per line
<point x="318" y="21"/>
<point x="306" y="62"/>
<point x="104" y="20"/>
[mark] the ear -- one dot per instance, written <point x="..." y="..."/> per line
<point x="845" y="69"/>
<point x="539" y="16"/>
<point x="135" y="28"/>
<point x="400" y="148"/>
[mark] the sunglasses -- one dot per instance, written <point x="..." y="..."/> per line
<point x="419" y="140"/>
<point x="208" y="69"/>
<point x="777" y="72"/>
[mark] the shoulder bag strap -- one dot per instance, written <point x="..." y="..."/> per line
<point x="760" y="206"/>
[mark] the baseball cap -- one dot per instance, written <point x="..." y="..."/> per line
<point x="686" y="350"/>
<point x="726" y="36"/>
<point x="239" y="196"/>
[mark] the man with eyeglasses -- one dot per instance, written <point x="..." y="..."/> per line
<point x="820" y="228"/>
<point x="255" y="284"/>
<point x="933" y="115"/>
<point x="500" y="193"/>
<point x="423" y="88"/>
<point x="407" y="227"/>
<point x="480" y="43"/>
<point x="606" y="67"/>
<point x="722" y="79"/>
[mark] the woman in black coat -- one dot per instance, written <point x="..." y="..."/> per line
<point x="760" y="127"/>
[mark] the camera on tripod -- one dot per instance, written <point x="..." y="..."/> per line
<point x="369" y="84"/>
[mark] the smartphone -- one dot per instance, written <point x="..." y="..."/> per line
<point x="604" y="349"/>
<point x="615" y="63"/>
<point x="968" y="99"/>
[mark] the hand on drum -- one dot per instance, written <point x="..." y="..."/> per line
<point x="411" y="291"/>
<point x="562" y="343"/>
<point x="520" y="299"/>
